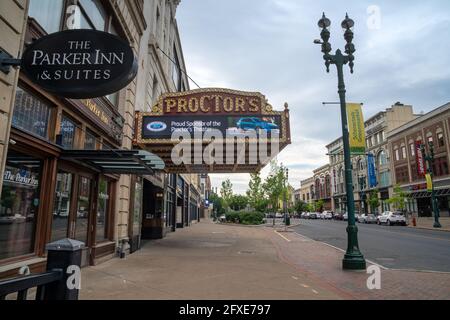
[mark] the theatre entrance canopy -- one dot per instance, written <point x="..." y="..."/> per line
<point x="213" y="131"/>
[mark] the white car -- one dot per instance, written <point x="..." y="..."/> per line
<point x="391" y="218"/>
<point x="367" y="218"/>
<point x="327" y="215"/>
<point x="345" y="216"/>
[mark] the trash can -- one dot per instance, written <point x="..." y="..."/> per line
<point x="288" y="220"/>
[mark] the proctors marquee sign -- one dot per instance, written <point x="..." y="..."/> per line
<point x="80" y="64"/>
<point x="232" y="113"/>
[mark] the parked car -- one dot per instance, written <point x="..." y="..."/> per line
<point x="367" y="218"/>
<point x="223" y="218"/>
<point x="391" y="218"/>
<point x="338" y="216"/>
<point x="327" y="215"/>
<point x="345" y="216"/>
<point x="279" y="215"/>
<point x="312" y="215"/>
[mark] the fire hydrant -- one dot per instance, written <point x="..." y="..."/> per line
<point x="414" y="222"/>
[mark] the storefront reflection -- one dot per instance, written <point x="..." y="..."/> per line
<point x="18" y="205"/>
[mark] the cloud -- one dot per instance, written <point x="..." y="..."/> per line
<point x="266" y="46"/>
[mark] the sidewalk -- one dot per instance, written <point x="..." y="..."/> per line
<point x="211" y="261"/>
<point x="427" y="223"/>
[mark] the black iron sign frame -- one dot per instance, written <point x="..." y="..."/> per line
<point x="77" y="64"/>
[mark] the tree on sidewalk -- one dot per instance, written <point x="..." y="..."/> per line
<point x="374" y="201"/>
<point x="398" y="199"/>
<point x="226" y="192"/>
<point x="255" y="193"/>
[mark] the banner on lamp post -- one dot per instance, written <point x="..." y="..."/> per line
<point x="357" y="135"/>
<point x="421" y="170"/>
<point x="371" y="170"/>
<point x="429" y="182"/>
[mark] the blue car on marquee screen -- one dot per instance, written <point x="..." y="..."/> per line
<point x="255" y="124"/>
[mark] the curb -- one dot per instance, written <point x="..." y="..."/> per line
<point x="430" y="228"/>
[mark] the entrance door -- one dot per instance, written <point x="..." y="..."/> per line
<point x="81" y="218"/>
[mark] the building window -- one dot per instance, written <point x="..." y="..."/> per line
<point x="176" y="74"/>
<point x="440" y="167"/>
<point x="385" y="179"/>
<point x="382" y="158"/>
<point x="31" y="114"/>
<point x="397" y="155"/>
<point x="90" y="15"/>
<point x="412" y="148"/>
<point x="381" y="137"/>
<point x="90" y="141"/>
<point x="441" y="141"/>
<point x="402" y="174"/>
<point x="102" y="210"/>
<point x="61" y="205"/>
<point x="67" y="133"/>
<point x="404" y="155"/>
<point x="47" y="13"/>
<point x="19" y="205"/>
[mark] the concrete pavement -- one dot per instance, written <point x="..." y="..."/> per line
<point x="206" y="261"/>
<point x="209" y="261"/>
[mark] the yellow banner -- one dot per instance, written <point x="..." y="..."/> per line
<point x="357" y="133"/>
<point x="429" y="182"/>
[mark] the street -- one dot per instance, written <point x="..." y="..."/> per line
<point x="392" y="247"/>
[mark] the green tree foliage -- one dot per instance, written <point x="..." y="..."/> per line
<point x="238" y="202"/>
<point x="255" y="193"/>
<point x="276" y="186"/>
<point x="226" y="192"/>
<point x="218" y="204"/>
<point x="301" y="206"/>
<point x="374" y="201"/>
<point x="398" y="199"/>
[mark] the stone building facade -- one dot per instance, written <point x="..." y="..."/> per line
<point x="377" y="128"/>
<point x="57" y="196"/>
<point x="432" y="127"/>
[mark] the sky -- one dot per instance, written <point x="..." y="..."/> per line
<point x="403" y="54"/>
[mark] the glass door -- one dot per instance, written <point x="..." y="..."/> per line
<point x="83" y="208"/>
<point x="61" y="205"/>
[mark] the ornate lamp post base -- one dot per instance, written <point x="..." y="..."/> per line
<point x="437" y="225"/>
<point x="353" y="259"/>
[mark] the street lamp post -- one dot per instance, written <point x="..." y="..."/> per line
<point x="430" y="161"/>
<point x="285" y="199"/>
<point x="353" y="259"/>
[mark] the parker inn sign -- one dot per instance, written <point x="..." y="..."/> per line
<point x="78" y="64"/>
<point x="213" y="130"/>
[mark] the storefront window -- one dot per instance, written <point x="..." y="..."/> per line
<point x="47" y="13"/>
<point x="90" y="141"/>
<point x="19" y="205"/>
<point x="67" y="133"/>
<point x="102" y="210"/>
<point x="83" y="208"/>
<point x="61" y="206"/>
<point x="31" y="114"/>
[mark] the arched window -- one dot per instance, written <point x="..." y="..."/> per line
<point x="382" y="158"/>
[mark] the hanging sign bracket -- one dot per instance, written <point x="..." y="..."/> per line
<point x="7" y="61"/>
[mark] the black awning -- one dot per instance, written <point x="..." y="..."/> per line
<point x="427" y="194"/>
<point x="116" y="161"/>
